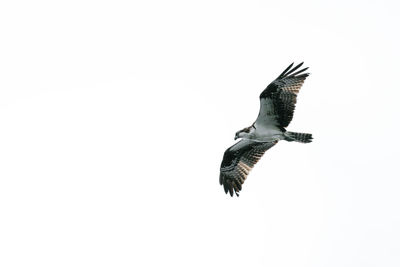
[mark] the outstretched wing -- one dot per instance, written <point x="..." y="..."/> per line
<point x="238" y="161"/>
<point x="278" y="100"/>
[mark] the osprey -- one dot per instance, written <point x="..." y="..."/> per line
<point x="277" y="104"/>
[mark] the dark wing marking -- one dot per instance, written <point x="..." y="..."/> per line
<point x="238" y="161"/>
<point x="282" y="94"/>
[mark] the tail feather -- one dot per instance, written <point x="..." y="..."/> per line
<point x="298" y="137"/>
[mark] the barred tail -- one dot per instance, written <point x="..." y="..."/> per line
<point x="298" y="137"/>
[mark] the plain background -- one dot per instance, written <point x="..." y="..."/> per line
<point x="114" y="116"/>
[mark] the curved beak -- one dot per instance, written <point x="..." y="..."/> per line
<point x="236" y="137"/>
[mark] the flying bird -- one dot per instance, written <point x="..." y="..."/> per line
<point x="277" y="104"/>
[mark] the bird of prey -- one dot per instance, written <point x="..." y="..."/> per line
<point x="277" y="104"/>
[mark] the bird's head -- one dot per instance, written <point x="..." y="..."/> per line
<point x="244" y="132"/>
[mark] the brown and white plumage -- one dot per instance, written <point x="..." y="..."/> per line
<point x="277" y="105"/>
<point x="278" y="100"/>
<point x="238" y="161"/>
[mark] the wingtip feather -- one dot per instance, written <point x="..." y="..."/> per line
<point x="298" y="72"/>
<point x="231" y="190"/>
<point x="294" y="69"/>
<point x="287" y="69"/>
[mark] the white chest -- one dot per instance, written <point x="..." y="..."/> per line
<point x="267" y="134"/>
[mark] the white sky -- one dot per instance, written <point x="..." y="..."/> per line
<point x="114" y="116"/>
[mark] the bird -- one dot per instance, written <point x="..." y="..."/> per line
<point x="277" y="105"/>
